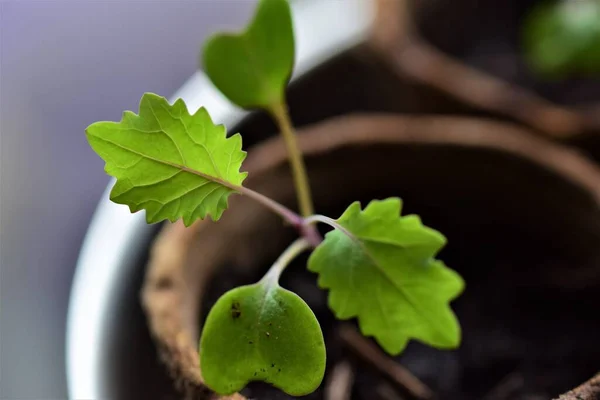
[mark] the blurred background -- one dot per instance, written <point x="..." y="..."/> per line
<point x="64" y="65"/>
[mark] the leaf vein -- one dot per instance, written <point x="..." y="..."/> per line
<point x="167" y="133"/>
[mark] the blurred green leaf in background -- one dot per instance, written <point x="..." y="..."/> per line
<point x="562" y="39"/>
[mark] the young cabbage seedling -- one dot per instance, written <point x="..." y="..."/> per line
<point x="378" y="266"/>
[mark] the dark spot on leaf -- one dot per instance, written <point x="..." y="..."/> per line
<point x="279" y="370"/>
<point x="255" y="373"/>
<point x="272" y="365"/>
<point x="250" y="342"/>
<point x="235" y="310"/>
<point x="270" y="324"/>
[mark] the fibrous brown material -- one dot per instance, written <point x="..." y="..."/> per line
<point x="589" y="390"/>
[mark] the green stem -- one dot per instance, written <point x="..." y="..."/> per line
<point x="280" y="114"/>
<point x="329" y="221"/>
<point x="313" y="219"/>
<point x="293" y="250"/>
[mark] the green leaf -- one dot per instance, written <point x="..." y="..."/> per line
<point x="380" y="268"/>
<point x="168" y="162"/>
<point x="262" y="332"/>
<point x="252" y="68"/>
<point x="563" y="38"/>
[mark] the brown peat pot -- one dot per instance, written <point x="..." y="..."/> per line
<point x="522" y="218"/>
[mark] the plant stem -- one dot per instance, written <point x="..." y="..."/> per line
<point x="311" y="234"/>
<point x="287" y="214"/>
<point x="307" y="231"/>
<point x="293" y="250"/>
<point x="329" y="221"/>
<point x="280" y="113"/>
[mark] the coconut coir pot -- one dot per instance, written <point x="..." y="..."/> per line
<point x="522" y="219"/>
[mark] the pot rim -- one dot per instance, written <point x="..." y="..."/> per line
<point x="115" y="237"/>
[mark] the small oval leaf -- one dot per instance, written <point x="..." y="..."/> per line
<point x="252" y="68"/>
<point x="262" y="332"/>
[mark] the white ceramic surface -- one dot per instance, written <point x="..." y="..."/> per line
<point x="324" y="28"/>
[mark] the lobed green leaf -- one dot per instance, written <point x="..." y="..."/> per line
<point x="168" y="162"/>
<point x="381" y="269"/>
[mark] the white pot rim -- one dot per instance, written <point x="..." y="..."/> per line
<point x="323" y="29"/>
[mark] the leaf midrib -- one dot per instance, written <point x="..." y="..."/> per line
<point x="384" y="273"/>
<point x="172" y="164"/>
<point x="268" y="288"/>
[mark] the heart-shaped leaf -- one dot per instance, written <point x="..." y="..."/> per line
<point x="262" y="332"/>
<point x="252" y="68"/>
